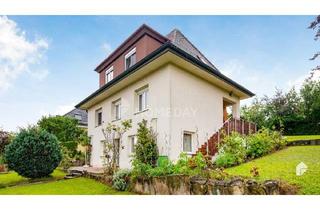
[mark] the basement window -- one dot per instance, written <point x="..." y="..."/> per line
<point x="187" y="142"/>
<point x="130" y="58"/>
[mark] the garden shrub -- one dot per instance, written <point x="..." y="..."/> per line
<point x="140" y="169"/>
<point x="120" y="180"/>
<point x="4" y="140"/>
<point x="259" y="144"/>
<point x="165" y="167"/>
<point x="146" y="150"/>
<point x="226" y="160"/>
<point x="34" y="153"/>
<point x="234" y="145"/>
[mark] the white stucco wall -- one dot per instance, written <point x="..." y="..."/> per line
<point x="178" y="101"/>
<point x="198" y="107"/>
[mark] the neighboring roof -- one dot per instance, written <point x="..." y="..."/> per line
<point x="178" y="39"/>
<point x="176" y="50"/>
<point x="141" y="31"/>
<point x="77" y="113"/>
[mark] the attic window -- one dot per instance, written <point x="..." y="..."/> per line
<point x="130" y="58"/>
<point x="109" y="74"/>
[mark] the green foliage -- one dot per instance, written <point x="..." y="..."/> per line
<point x="165" y="167"/>
<point x="236" y="149"/>
<point x="294" y="112"/>
<point x="259" y="144"/>
<point x="281" y="165"/>
<point x="66" y="161"/>
<point x="146" y="150"/>
<point x="234" y="144"/>
<point x="225" y="160"/>
<point x="140" y="169"/>
<point x="191" y="166"/>
<point x="120" y="180"/>
<point x="66" y="130"/>
<point x="4" y="140"/>
<point x="34" y="153"/>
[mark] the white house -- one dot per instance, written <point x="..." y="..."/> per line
<point x="167" y="81"/>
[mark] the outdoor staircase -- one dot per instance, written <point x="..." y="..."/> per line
<point x="210" y="147"/>
<point x="73" y="174"/>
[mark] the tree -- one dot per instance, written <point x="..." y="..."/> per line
<point x="4" y="140"/>
<point x="315" y="25"/>
<point x="111" y="150"/>
<point x="66" y="130"/>
<point x="146" y="150"/>
<point x="34" y="153"/>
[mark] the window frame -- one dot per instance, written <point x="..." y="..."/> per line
<point x="116" y="115"/>
<point x="183" y="141"/>
<point x="143" y="93"/>
<point x="97" y="112"/>
<point x="128" y="55"/>
<point x="109" y="71"/>
<point x="133" y="141"/>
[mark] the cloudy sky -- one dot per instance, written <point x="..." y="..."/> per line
<point x="47" y="62"/>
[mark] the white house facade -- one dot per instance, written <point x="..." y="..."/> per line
<point x="183" y="97"/>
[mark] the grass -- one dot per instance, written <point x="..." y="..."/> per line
<point x="12" y="178"/>
<point x="282" y="165"/>
<point x="302" y="137"/>
<point x="77" y="186"/>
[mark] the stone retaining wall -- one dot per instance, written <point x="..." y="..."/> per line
<point x="183" y="185"/>
<point x="304" y="142"/>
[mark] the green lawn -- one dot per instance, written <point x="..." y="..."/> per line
<point x="303" y="137"/>
<point x="12" y="178"/>
<point x="282" y="165"/>
<point x="77" y="186"/>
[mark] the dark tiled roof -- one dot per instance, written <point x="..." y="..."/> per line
<point x="77" y="114"/>
<point x="177" y="38"/>
<point x="176" y="50"/>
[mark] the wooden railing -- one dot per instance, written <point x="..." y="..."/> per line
<point x="210" y="147"/>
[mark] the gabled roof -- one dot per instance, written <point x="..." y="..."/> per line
<point x="141" y="31"/>
<point x="168" y="46"/>
<point x="80" y="112"/>
<point x="177" y="38"/>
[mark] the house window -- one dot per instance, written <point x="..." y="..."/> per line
<point x="187" y="142"/>
<point x="77" y="116"/>
<point x="130" y="58"/>
<point x="98" y="117"/>
<point x="133" y="142"/>
<point x="142" y="99"/>
<point x="116" y="110"/>
<point x="109" y="74"/>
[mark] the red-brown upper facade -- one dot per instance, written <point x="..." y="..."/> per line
<point x="141" y="43"/>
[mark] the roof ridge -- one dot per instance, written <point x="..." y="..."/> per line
<point x="175" y="31"/>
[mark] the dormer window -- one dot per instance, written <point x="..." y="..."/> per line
<point x="109" y="74"/>
<point x="130" y="58"/>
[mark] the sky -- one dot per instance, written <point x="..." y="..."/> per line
<point x="47" y="62"/>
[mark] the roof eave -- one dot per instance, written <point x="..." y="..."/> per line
<point x="179" y="52"/>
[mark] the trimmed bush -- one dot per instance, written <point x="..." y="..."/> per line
<point x="33" y="153"/>
<point x="146" y="150"/>
<point x="226" y="160"/>
<point x="234" y="145"/>
<point x="120" y="180"/>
